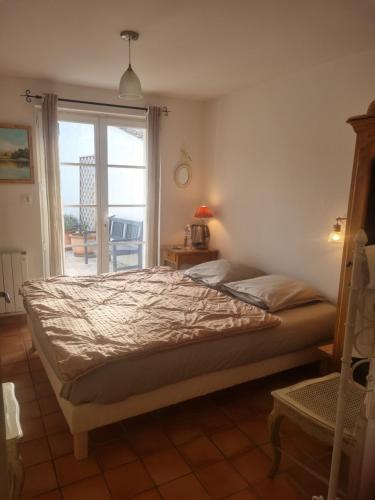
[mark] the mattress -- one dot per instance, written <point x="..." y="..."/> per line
<point x="300" y="328"/>
<point x="92" y="321"/>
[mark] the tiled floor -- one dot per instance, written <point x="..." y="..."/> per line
<point x="213" y="447"/>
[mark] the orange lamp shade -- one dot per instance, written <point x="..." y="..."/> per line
<point x="203" y="212"/>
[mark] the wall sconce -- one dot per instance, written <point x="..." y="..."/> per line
<point x="338" y="234"/>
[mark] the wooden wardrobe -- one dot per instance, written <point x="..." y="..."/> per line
<point x="361" y="212"/>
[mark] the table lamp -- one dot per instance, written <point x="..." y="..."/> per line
<point x="200" y="234"/>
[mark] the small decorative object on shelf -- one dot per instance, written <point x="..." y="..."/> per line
<point x="187" y="237"/>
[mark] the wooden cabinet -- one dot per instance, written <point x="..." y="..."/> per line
<point x="178" y="257"/>
<point x="361" y="212"/>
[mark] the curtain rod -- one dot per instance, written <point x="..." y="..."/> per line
<point x="29" y="96"/>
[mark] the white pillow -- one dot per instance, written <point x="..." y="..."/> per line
<point x="216" y="272"/>
<point x="370" y="253"/>
<point x="273" y="292"/>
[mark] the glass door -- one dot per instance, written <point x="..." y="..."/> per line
<point x="126" y="176"/>
<point x="78" y="182"/>
<point x="103" y="187"/>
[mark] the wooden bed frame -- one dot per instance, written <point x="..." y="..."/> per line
<point x="89" y="416"/>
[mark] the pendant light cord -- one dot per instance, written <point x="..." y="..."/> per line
<point x="129" y="53"/>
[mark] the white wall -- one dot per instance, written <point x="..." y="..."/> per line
<point x="279" y="160"/>
<point x="20" y="226"/>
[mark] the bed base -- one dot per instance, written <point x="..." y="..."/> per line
<point x="89" y="416"/>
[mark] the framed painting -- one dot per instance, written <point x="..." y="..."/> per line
<point x="16" y="159"/>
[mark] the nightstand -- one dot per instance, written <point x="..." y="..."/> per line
<point x="178" y="257"/>
<point x="326" y="362"/>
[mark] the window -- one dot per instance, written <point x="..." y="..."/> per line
<point x="103" y="187"/>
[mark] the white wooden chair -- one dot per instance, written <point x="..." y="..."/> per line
<point x="13" y="435"/>
<point x="334" y="408"/>
<point x="312" y="405"/>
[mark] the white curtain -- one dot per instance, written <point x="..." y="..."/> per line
<point x="52" y="179"/>
<point x="153" y="186"/>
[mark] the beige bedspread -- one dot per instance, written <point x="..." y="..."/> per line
<point x="93" y="320"/>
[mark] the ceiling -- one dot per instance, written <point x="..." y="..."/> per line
<point x="187" y="48"/>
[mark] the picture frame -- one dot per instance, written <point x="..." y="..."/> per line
<point x="16" y="154"/>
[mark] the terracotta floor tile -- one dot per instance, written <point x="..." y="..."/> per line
<point x="35" y="364"/>
<point x="309" y="445"/>
<point x="34" y="452"/>
<point x="285" y="463"/>
<point x="32" y="429"/>
<point x="55" y="422"/>
<point x="69" y="470"/>
<point x="39" y="376"/>
<point x="20" y="379"/>
<point x="262" y="400"/>
<point x="279" y="487"/>
<point x="245" y="495"/>
<point x="239" y="410"/>
<point x="221" y="480"/>
<point x="15" y="368"/>
<point x="61" y="444"/>
<point x="256" y="429"/>
<point x="293" y="448"/>
<point x="113" y="454"/>
<point x="165" y="465"/>
<point x="9" y="330"/>
<point x="29" y="409"/>
<point x="253" y="465"/>
<point x="213" y="421"/>
<point x="306" y="482"/>
<point x="232" y="442"/>
<point x="39" y="479"/>
<point x="148" y="495"/>
<point x="126" y="481"/>
<point x="199" y="452"/>
<point x="93" y="488"/>
<point x="184" y="488"/>
<point x="50" y="495"/>
<point x="12" y="357"/>
<point x="180" y="432"/>
<point x="48" y="405"/>
<point x="9" y="343"/>
<point x="289" y="428"/>
<point x="43" y="389"/>
<point x="25" y="394"/>
<point x="147" y="439"/>
<point x="24" y="331"/>
<point x="107" y="433"/>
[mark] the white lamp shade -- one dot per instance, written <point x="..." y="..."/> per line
<point x="130" y="86"/>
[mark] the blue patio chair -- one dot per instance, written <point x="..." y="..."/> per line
<point x="124" y="231"/>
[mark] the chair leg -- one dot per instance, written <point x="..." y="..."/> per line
<point x="114" y="258"/>
<point x="274" y="421"/>
<point x="140" y="257"/>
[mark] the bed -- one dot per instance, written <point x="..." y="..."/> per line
<point x="182" y="340"/>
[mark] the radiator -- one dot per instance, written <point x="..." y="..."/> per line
<point x="13" y="273"/>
